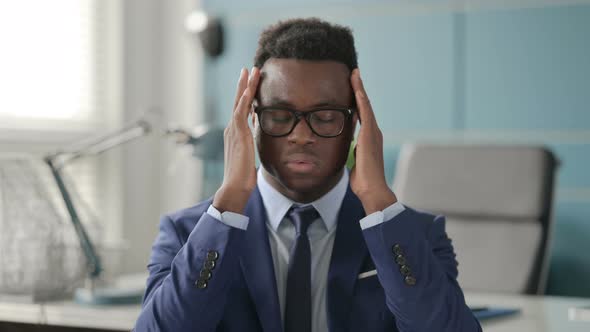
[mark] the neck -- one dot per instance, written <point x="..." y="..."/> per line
<point x="303" y="196"/>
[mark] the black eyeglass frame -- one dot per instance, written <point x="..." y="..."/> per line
<point x="348" y="112"/>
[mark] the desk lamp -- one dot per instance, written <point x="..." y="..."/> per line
<point x="92" y="294"/>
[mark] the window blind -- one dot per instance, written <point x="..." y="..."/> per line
<point x="52" y="70"/>
<point x="49" y="63"/>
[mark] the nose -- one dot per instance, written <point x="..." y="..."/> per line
<point x="302" y="134"/>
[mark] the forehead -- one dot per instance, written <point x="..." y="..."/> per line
<point x="304" y="83"/>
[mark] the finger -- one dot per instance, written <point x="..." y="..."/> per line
<point x="363" y="104"/>
<point x="253" y="80"/>
<point x="242" y="84"/>
<point x="244" y="110"/>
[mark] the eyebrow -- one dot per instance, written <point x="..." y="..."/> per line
<point x="286" y="103"/>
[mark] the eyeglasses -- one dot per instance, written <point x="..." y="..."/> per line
<point x="280" y="121"/>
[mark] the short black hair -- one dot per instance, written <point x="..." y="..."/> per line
<point x="306" y="39"/>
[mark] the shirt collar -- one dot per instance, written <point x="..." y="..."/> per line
<point x="277" y="205"/>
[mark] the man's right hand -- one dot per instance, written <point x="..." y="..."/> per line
<point x="239" y="172"/>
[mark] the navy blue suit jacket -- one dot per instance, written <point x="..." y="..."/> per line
<point x="241" y="294"/>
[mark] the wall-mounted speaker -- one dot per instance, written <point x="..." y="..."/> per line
<point x="208" y="29"/>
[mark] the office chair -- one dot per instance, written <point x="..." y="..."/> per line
<point x="498" y="205"/>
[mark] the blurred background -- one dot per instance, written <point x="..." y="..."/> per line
<point x="509" y="72"/>
<point x="500" y="72"/>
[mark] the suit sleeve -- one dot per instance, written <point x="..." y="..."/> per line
<point x="416" y="266"/>
<point x="188" y="283"/>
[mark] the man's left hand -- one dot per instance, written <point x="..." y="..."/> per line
<point x="367" y="177"/>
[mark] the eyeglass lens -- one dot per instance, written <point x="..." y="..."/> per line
<point x="323" y="122"/>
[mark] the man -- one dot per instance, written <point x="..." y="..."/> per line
<point x="301" y="244"/>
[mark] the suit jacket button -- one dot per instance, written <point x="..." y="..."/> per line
<point x="209" y="265"/>
<point x="212" y="255"/>
<point x="400" y="260"/>
<point x="405" y="270"/>
<point x="205" y="274"/>
<point x="397" y="249"/>
<point x="201" y="284"/>
<point x="410" y="280"/>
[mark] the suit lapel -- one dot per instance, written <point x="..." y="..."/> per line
<point x="347" y="256"/>
<point x="258" y="267"/>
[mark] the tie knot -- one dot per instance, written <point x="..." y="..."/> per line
<point x="302" y="217"/>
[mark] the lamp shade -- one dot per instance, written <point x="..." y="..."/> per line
<point x="40" y="254"/>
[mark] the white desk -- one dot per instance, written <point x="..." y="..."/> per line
<point x="539" y="314"/>
<point x="70" y="314"/>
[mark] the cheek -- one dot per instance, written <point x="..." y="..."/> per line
<point x="334" y="154"/>
<point x="346" y="144"/>
<point x="344" y="150"/>
<point x="269" y="148"/>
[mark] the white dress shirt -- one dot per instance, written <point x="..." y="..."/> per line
<point x="321" y="233"/>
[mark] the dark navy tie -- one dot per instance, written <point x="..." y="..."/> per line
<point x="298" y="303"/>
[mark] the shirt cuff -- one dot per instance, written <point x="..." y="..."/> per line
<point x="231" y="219"/>
<point x="379" y="217"/>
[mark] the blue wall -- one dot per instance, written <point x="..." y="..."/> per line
<point x="509" y="75"/>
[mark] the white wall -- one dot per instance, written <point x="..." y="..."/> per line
<point x="160" y="69"/>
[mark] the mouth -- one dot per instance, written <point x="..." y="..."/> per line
<point x="300" y="163"/>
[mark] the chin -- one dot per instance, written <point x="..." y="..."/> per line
<point x="301" y="183"/>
